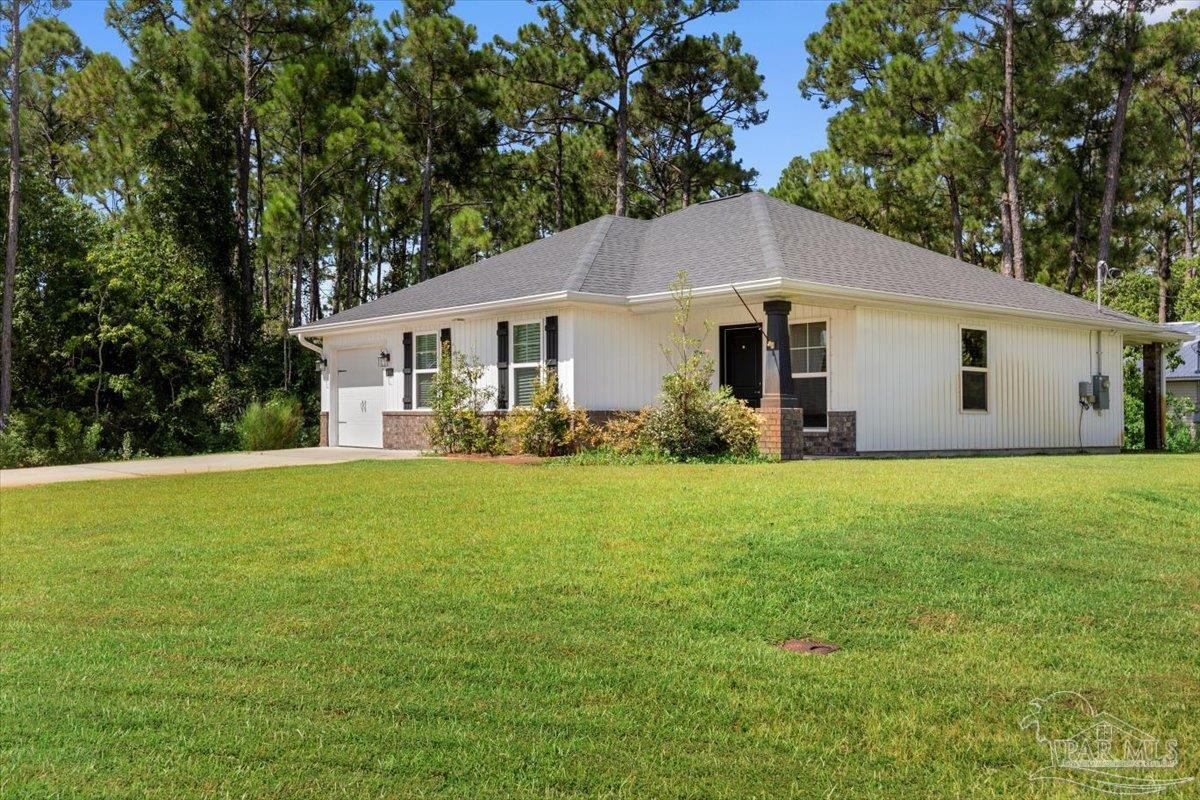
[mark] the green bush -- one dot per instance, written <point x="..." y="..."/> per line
<point x="272" y="425"/>
<point x="457" y="424"/>
<point x="55" y="437"/>
<point x="693" y="420"/>
<point x="625" y="434"/>
<point x="1181" y="438"/>
<point x="543" y="428"/>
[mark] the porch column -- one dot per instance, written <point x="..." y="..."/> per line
<point x="1154" y="396"/>
<point x="778" y="388"/>
<point x="781" y="420"/>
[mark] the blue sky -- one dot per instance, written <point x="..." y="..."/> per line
<point x="773" y="30"/>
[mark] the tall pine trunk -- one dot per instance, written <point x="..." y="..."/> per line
<point x="298" y="289"/>
<point x="1075" y="255"/>
<point x="956" y="222"/>
<point x="258" y="221"/>
<point x="1164" y="271"/>
<point x="1012" y="197"/>
<point x="14" y="204"/>
<point x="245" y="270"/>
<point x="622" y="207"/>
<point x="1112" y="170"/>
<point x="426" y="196"/>
<point x="558" y="176"/>
<point x="1189" y="198"/>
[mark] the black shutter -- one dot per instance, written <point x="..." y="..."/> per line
<point x="445" y="336"/>
<point x="408" y="362"/>
<point x="551" y="343"/>
<point x="502" y="365"/>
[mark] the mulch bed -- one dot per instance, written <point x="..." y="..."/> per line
<point x="496" y="459"/>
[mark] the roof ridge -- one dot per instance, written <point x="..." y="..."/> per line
<point x="587" y="256"/>
<point x="772" y="258"/>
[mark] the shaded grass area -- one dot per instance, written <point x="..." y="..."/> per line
<point x="459" y="629"/>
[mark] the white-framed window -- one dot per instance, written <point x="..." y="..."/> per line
<point x="810" y="370"/>
<point x="973" y="370"/>
<point x="425" y="363"/>
<point x="526" y="360"/>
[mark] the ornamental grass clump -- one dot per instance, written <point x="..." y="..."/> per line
<point x="273" y="425"/>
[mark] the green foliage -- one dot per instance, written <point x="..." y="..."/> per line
<point x="1187" y="301"/>
<point x="57" y="437"/>
<point x="273" y="425"/>
<point x="624" y="434"/>
<point x="1181" y="436"/>
<point x="693" y="420"/>
<point x="457" y="424"/>
<point x="543" y="428"/>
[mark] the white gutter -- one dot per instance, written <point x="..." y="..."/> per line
<point x="823" y="290"/>
<point x="471" y="308"/>
<point x="314" y="347"/>
<point x="818" y="290"/>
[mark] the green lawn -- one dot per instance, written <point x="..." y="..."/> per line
<point x="473" y="630"/>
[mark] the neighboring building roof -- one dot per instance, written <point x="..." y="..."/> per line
<point x="1189" y="351"/>
<point x="740" y="239"/>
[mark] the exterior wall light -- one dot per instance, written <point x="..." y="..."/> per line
<point x="322" y="363"/>
<point x="384" y="359"/>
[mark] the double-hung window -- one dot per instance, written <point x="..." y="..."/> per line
<point x="810" y="371"/>
<point x="974" y="370"/>
<point x="426" y="367"/>
<point x="526" y="360"/>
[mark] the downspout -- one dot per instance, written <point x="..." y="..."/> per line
<point x="314" y="347"/>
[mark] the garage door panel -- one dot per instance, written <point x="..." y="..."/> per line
<point x="360" y="399"/>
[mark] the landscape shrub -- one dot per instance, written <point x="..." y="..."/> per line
<point x="692" y="420"/>
<point x="582" y="433"/>
<point x="624" y="433"/>
<point x="273" y="425"/>
<point x="52" y="438"/>
<point x="457" y="424"/>
<point x="1181" y="437"/>
<point x="543" y="428"/>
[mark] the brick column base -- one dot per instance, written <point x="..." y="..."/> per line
<point x="323" y="436"/>
<point x="781" y="432"/>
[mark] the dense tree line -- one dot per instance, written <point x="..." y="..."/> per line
<point x="259" y="164"/>
<point x="264" y="163"/>
<point x="1034" y="137"/>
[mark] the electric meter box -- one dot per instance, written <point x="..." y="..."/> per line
<point x="1100" y="385"/>
<point x="1086" y="398"/>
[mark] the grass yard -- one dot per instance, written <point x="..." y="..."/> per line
<point x="475" y="630"/>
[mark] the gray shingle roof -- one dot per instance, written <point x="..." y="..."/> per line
<point x="747" y="237"/>
<point x="1189" y="351"/>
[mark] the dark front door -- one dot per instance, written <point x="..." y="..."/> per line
<point x="741" y="361"/>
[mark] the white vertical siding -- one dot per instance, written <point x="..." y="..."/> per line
<point x="898" y="370"/>
<point x="475" y="337"/>
<point x="620" y="364"/>
<point x="909" y="385"/>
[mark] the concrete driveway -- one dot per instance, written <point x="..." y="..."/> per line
<point x="186" y="465"/>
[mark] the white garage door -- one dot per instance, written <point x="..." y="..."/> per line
<point x="360" y="398"/>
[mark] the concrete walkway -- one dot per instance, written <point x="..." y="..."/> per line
<point x="186" y="465"/>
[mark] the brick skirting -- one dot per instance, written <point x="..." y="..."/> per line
<point x="781" y="432"/>
<point x="323" y="436"/>
<point x="839" y="440"/>
<point x="405" y="430"/>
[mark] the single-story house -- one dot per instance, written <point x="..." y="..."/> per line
<point x="1184" y="380"/>
<point x="847" y="341"/>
